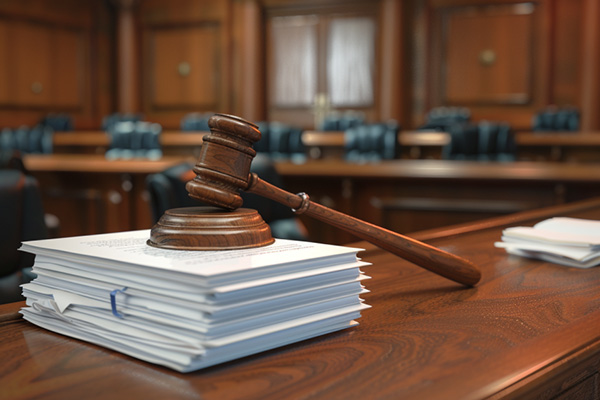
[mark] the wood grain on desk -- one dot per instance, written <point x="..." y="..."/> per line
<point x="530" y="329"/>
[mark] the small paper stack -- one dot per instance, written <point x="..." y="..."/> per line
<point x="572" y="242"/>
<point x="191" y="309"/>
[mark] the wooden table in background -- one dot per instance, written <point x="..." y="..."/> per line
<point x="98" y="142"/>
<point x="90" y="194"/>
<point x="409" y="195"/>
<point x="529" y="329"/>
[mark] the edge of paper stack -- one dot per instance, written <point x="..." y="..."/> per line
<point x="188" y="310"/>
<point x="573" y="242"/>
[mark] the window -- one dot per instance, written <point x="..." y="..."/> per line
<point x="319" y="63"/>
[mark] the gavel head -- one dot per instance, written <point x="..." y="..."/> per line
<point x="223" y="166"/>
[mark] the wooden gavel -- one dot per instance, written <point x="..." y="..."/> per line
<point x="223" y="169"/>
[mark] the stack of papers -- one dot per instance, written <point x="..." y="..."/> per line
<point x="572" y="242"/>
<point x="191" y="309"/>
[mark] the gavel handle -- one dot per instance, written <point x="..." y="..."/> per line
<point x="431" y="258"/>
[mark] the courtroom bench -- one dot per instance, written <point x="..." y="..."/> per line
<point x="90" y="194"/>
<point x="410" y="195"/>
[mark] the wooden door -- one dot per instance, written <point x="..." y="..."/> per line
<point x="185" y="68"/>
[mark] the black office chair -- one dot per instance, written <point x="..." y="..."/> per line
<point x="109" y="120"/>
<point x="22" y="219"/>
<point x="373" y="142"/>
<point x="281" y="141"/>
<point x="195" y="121"/>
<point x="25" y="140"/>
<point x="443" y="118"/>
<point x="167" y="190"/>
<point x="485" y="141"/>
<point x="556" y="119"/>
<point x="57" y="122"/>
<point x="138" y="139"/>
<point x="337" y="121"/>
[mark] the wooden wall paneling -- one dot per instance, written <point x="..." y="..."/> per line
<point x="51" y="47"/>
<point x="492" y="57"/>
<point x="186" y="57"/>
<point x="128" y="61"/>
<point x="248" y="60"/>
<point x="186" y="68"/>
<point x="394" y="69"/>
<point x="5" y="79"/>
<point x="488" y="55"/>
<point x="99" y="95"/>
<point x="590" y="117"/>
<point x="32" y="57"/>
<point x="68" y="68"/>
<point x="567" y="53"/>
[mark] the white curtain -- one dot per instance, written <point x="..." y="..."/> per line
<point x="295" y="60"/>
<point x="350" y="61"/>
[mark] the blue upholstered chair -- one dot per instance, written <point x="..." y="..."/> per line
<point x="337" y="121"/>
<point x="372" y="142"/>
<point x="134" y="140"/>
<point x="483" y="141"/>
<point x="443" y="118"/>
<point x="195" y="121"/>
<point x="280" y="141"/>
<point x="556" y="119"/>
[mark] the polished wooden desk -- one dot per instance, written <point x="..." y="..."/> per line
<point x="530" y="329"/>
<point x="557" y="146"/>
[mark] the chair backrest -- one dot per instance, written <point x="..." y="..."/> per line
<point x="483" y="141"/>
<point x="373" y="142"/>
<point x="110" y="120"/>
<point x="195" y="121"/>
<point x="57" y="122"/>
<point x="134" y="139"/>
<point x="556" y="119"/>
<point x="22" y="219"/>
<point x="337" y="121"/>
<point x="26" y="140"/>
<point x="280" y="141"/>
<point x="443" y="118"/>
